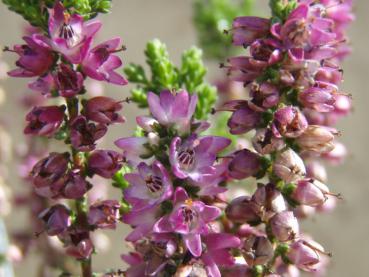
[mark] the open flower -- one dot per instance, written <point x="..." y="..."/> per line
<point x="70" y="35"/>
<point x="190" y="219"/>
<point x="194" y="158"/>
<point x="150" y="186"/>
<point x="101" y="62"/>
<point x="173" y="110"/>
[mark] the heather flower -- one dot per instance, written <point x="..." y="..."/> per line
<point x="317" y="171"/>
<point x="289" y="166"/>
<point x="270" y="201"/>
<point x="194" y="158"/>
<point x="190" y="219"/>
<point x="243" y="119"/>
<point x="310" y="192"/>
<point x="103" y="110"/>
<point x="284" y="226"/>
<point x="68" y="81"/>
<point x="321" y="99"/>
<point x="101" y="62"/>
<point x="149" y="187"/>
<point x="44" y="121"/>
<point x="244" y="164"/>
<point x="305" y="255"/>
<point x="104" y="214"/>
<point x="217" y="252"/>
<point x="289" y="122"/>
<point x="263" y="96"/>
<point x="317" y="139"/>
<point x="104" y="163"/>
<point x="70" y="35"/>
<point x="75" y="186"/>
<point x="85" y="134"/>
<point x="337" y="154"/>
<point x="48" y="175"/>
<point x="257" y="250"/>
<point x="264" y="142"/>
<point x="243" y="209"/>
<point x="173" y="110"/>
<point x="35" y="59"/>
<point x="247" y="29"/>
<point x="45" y="85"/>
<point x="134" y="149"/>
<point x="80" y="249"/>
<point x="57" y="219"/>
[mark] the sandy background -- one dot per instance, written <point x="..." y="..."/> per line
<point x="345" y="233"/>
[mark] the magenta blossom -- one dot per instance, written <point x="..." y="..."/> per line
<point x="45" y="85"/>
<point x="244" y="164"/>
<point x="75" y="186"/>
<point x="247" y="29"/>
<point x="194" y="158"/>
<point x="101" y="62"/>
<point x="173" y="110"/>
<point x="57" y="219"/>
<point x="289" y="122"/>
<point x="105" y="163"/>
<point x="134" y="149"/>
<point x="190" y="219"/>
<point x="218" y="252"/>
<point x="103" y="110"/>
<point x="104" y="214"/>
<point x="69" y="34"/>
<point x="44" y="121"/>
<point x="35" y="58"/>
<point x="149" y="187"/>
<point x="85" y="134"/>
<point x="68" y="81"/>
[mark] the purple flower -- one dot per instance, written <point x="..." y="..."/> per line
<point x="310" y="192"/>
<point x="68" y="81"/>
<point x="244" y="164"/>
<point x="85" y="134"/>
<point x="75" y="186"/>
<point x="44" y="121"/>
<point x="104" y="214"/>
<point x="289" y="122"/>
<point x="284" y="226"/>
<point x="100" y="63"/>
<point x="69" y="34"/>
<point x="243" y="209"/>
<point x="243" y="119"/>
<point x="78" y="244"/>
<point x="45" y="85"/>
<point x="134" y="149"/>
<point x="103" y="110"/>
<point x="173" y="110"/>
<point x="264" y="96"/>
<point x="149" y="187"/>
<point x="264" y="142"/>
<point x="105" y="163"/>
<point x="194" y="158"/>
<point x="317" y="98"/>
<point x="190" y="219"/>
<point x="49" y="174"/>
<point x="57" y="219"/>
<point x="305" y="255"/>
<point x="35" y="58"/>
<point x="218" y="252"/>
<point x="247" y="29"/>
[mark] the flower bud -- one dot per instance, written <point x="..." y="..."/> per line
<point x="270" y="199"/>
<point x="242" y="209"/>
<point x="317" y="171"/>
<point x="103" y="110"/>
<point x="75" y="186"/>
<point x="317" y="139"/>
<point x="257" y="250"/>
<point x="289" y="166"/>
<point x="104" y="214"/>
<point x="105" y="163"/>
<point x="264" y="96"/>
<point x="57" y="219"/>
<point x="284" y="226"/>
<point x="44" y="121"/>
<point x="69" y="82"/>
<point x="305" y="255"/>
<point x="244" y="164"/>
<point x="337" y="155"/>
<point x="243" y="120"/>
<point x="81" y="250"/>
<point x="310" y="192"/>
<point x="264" y="142"/>
<point x="289" y="122"/>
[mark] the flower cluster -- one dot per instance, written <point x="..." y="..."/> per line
<point x="292" y="73"/>
<point x="61" y="61"/>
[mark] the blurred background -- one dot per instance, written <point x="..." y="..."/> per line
<point x="344" y="232"/>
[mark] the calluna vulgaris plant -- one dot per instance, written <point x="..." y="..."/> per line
<point x="174" y="174"/>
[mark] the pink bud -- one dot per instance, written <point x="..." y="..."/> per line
<point x="285" y="226"/>
<point x="289" y="166"/>
<point x="244" y="164"/>
<point x="105" y="163"/>
<point x="289" y="122"/>
<point x="264" y="142"/>
<point x="305" y="255"/>
<point x="242" y="209"/>
<point x="317" y="171"/>
<point x="317" y="139"/>
<point x="57" y="219"/>
<point x="257" y="250"/>
<point x="103" y="110"/>
<point x="310" y="192"/>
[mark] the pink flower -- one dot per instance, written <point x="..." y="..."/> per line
<point x="100" y="63"/>
<point x="35" y="58"/>
<point x="57" y="219"/>
<point x="103" y="110"/>
<point x="69" y="34"/>
<point x="68" y="81"/>
<point x="104" y="214"/>
<point x="44" y="121"/>
<point x="105" y="163"/>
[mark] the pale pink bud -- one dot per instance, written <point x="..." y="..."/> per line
<point x="284" y="226"/>
<point x="264" y="142"/>
<point x="289" y="166"/>
<point x="257" y="250"/>
<point x="242" y="209"/>
<point x="310" y="192"/>
<point x="317" y="139"/>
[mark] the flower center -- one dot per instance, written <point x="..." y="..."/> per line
<point x="300" y="34"/>
<point x="67" y="32"/>
<point x="155" y="185"/>
<point x="186" y="158"/>
<point x="189" y="215"/>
